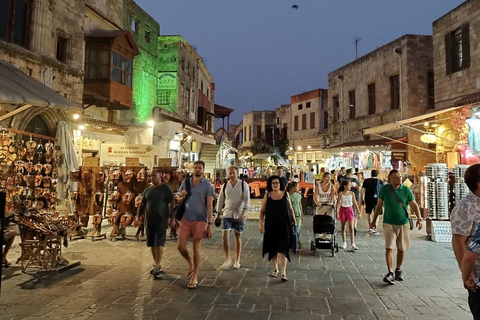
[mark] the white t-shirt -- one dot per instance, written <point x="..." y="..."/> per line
<point x="310" y="177"/>
<point x="233" y="202"/>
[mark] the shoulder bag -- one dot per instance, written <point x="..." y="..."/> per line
<point x="179" y="209"/>
<point x="410" y="221"/>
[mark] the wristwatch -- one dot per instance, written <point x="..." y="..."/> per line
<point x="209" y="223"/>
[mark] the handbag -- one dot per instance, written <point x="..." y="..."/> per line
<point x="179" y="209"/>
<point x="410" y="221"/>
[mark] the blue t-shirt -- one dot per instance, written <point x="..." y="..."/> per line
<point x="196" y="205"/>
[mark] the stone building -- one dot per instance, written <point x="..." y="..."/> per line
<point x="456" y="59"/>
<point x="392" y="83"/>
<point x="456" y="39"/>
<point x="46" y="43"/>
<point x="258" y="125"/>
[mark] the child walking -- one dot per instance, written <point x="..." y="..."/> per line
<point x="296" y="201"/>
<point x="345" y="203"/>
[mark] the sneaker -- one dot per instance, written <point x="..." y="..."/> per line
<point x="353" y="247"/>
<point x="375" y="233"/>
<point x="389" y="278"/>
<point x="344" y="245"/>
<point x="156" y="273"/>
<point x="236" y="265"/>
<point x="398" y="275"/>
<point x="371" y="230"/>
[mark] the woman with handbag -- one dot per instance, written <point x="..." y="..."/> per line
<point x="279" y="218"/>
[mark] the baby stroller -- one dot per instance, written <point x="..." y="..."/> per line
<point x="324" y="234"/>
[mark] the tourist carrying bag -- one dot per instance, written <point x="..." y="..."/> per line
<point x="401" y="204"/>
<point x="179" y="209"/>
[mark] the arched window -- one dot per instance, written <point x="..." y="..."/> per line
<point x="39" y="126"/>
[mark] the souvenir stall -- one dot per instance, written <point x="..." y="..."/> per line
<point x="123" y="196"/>
<point x="88" y="197"/>
<point x="29" y="175"/>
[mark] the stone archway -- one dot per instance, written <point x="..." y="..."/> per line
<point x="50" y="116"/>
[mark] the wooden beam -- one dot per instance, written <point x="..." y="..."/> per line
<point x="36" y="135"/>
<point x="16" y="111"/>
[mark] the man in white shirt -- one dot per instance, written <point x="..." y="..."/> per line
<point x="311" y="177"/>
<point x="233" y="203"/>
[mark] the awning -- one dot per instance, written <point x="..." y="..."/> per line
<point x="400" y="123"/>
<point x="473" y="98"/>
<point x="18" y="88"/>
<point x="262" y="156"/>
<point x="104" y="137"/>
<point x="363" y="143"/>
<point x="199" y="137"/>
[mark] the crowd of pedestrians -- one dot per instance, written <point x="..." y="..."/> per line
<point x="342" y="195"/>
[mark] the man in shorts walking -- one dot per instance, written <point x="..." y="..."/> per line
<point x="233" y="203"/>
<point x="157" y="203"/>
<point x="396" y="226"/>
<point x="465" y="219"/>
<point x="369" y="197"/>
<point x="196" y="223"/>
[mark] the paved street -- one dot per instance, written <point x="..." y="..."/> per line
<point x="114" y="280"/>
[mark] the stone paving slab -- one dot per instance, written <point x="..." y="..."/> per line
<point x="114" y="281"/>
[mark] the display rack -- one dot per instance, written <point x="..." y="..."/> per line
<point x="438" y="202"/>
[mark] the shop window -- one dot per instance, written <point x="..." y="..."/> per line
<point x="38" y="126"/>
<point x="431" y="90"/>
<point x="135" y="26"/>
<point x="312" y="120"/>
<point x="62" y="47"/>
<point x="304" y="121"/>
<point x="163" y="97"/>
<point x="96" y="64"/>
<point x="121" y="69"/>
<point x="295" y="123"/>
<point x="15" y="17"/>
<point x="352" y="105"/>
<point x="395" y="92"/>
<point x="336" y="108"/>
<point x="457" y="49"/>
<point x="371" y="99"/>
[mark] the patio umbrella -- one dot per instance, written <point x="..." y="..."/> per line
<point x="68" y="161"/>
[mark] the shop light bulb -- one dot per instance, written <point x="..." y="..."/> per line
<point x="309" y="147"/>
<point x="76" y="116"/>
<point x="299" y="148"/>
<point x="290" y="148"/>
<point x="81" y="127"/>
<point x="151" y="123"/>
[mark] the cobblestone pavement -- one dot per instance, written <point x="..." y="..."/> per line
<point x="114" y="280"/>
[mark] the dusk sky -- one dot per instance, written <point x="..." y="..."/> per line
<point x="261" y="52"/>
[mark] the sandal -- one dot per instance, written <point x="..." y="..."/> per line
<point x="284" y="278"/>
<point x="273" y="274"/>
<point x="192" y="285"/>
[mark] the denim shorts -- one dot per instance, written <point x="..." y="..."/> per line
<point x="229" y="224"/>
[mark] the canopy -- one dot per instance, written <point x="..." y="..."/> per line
<point x="19" y="88"/>
<point x="262" y="156"/>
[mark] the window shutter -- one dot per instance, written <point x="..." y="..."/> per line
<point x="466" y="45"/>
<point x="448" y="52"/>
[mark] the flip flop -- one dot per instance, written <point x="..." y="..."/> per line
<point x="284" y="278"/>
<point x="192" y="285"/>
<point x="273" y="274"/>
<point x="190" y="274"/>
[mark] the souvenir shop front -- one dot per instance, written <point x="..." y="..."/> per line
<point x="35" y="158"/>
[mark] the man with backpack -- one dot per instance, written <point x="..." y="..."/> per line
<point x="233" y="203"/>
<point x="369" y="197"/>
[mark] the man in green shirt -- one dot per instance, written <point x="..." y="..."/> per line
<point x="396" y="226"/>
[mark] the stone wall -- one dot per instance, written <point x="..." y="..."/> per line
<point x="415" y="53"/>
<point x="318" y="103"/>
<point x="450" y="87"/>
<point x="112" y="10"/>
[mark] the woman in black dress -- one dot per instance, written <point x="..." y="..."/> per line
<point x="279" y="220"/>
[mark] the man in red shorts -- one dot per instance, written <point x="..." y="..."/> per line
<point x="196" y="223"/>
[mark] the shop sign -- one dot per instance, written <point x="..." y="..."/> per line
<point x="132" y="162"/>
<point x="167" y="81"/>
<point x="119" y="152"/>
<point x="164" y="162"/>
<point x="399" y="156"/>
<point x="90" y="144"/>
<point x="90" y="162"/>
